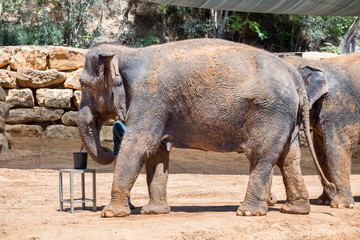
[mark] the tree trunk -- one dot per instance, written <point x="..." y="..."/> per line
<point x="350" y="38"/>
<point x="219" y="18"/>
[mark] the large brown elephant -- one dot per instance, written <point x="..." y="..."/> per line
<point x="204" y="94"/>
<point x="335" y="120"/>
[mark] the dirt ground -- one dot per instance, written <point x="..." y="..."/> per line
<point x="204" y="191"/>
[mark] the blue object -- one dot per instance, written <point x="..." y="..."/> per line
<point x="118" y="133"/>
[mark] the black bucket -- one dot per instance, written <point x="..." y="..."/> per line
<point x="80" y="160"/>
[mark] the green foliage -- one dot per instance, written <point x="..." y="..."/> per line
<point x="194" y="28"/>
<point x="44" y="33"/>
<point x="48" y="32"/>
<point x="320" y="28"/>
<point x="32" y="24"/>
<point x="28" y="22"/>
<point x="187" y="22"/>
<point x="147" y="41"/>
<point x="159" y="23"/>
<point x="239" y="25"/>
<point x="329" y="47"/>
<point x="77" y="15"/>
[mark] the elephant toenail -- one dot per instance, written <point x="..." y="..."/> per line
<point x="109" y="214"/>
<point x="247" y="213"/>
<point x="351" y="205"/>
<point x="239" y="213"/>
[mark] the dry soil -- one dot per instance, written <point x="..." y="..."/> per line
<point x="204" y="190"/>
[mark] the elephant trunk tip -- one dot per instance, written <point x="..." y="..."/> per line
<point x="104" y="158"/>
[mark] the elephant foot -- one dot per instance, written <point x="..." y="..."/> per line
<point x="343" y="203"/>
<point x="337" y="202"/>
<point x="323" y="199"/>
<point x="298" y="207"/>
<point x="272" y="200"/>
<point x="248" y="210"/>
<point x="114" y="210"/>
<point x="152" y="208"/>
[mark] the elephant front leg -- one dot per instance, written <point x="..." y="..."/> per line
<point x="157" y="170"/>
<point x="297" y="196"/>
<point x="127" y="168"/>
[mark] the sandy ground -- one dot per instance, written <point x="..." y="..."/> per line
<point x="204" y="190"/>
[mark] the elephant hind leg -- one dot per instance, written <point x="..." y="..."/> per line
<point x="297" y="197"/>
<point x="263" y="152"/>
<point x="157" y="170"/>
<point x="334" y="152"/>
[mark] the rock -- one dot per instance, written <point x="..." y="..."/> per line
<point x="72" y="79"/>
<point x="69" y="118"/>
<point x="23" y="130"/>
<point x="4" y="109"/>
<point x="62" y="132"/>
<point x="4" y="57"/>
<point x="31" y="115"/>
<point x="55" y="98"/>
<point x="318" y="55"/>
<point x="2" y="94"/>
<point x="20" y="98"/>
<point x="3" y="143"/>
<point x="66" y="58"/>
<point x="8" y="79"/>
<point x="2" y="124"/>
<point x="8" y="139"/>
<point x="77" y="98"/>
<point x="29" y="57"/>
<point x="106" y="133"/>
<point x="31" y="78"/>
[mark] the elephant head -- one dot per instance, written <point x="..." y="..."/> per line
<point x="314" y="78"/>
<point x="103" y="97"/>
<point x="315" y="83"/>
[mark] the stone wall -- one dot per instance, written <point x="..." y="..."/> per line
<point x="42" y="90"/>
<point x="4" y="113"/>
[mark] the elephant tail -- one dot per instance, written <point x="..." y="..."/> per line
<point x="329" y="187"/>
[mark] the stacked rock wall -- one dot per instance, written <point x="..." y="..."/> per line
<point x="4" y="113"/>
<point x="42" y="90"/>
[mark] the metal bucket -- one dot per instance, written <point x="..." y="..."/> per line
<point x="80" y="160"/>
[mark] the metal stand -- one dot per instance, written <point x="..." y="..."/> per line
<point x="73" y="200"/>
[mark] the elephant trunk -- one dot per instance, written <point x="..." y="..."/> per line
<point x="89" y="132"/>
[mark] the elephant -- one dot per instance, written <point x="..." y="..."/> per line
<point x="335" y="120"/>
<point x="206" y="94"/>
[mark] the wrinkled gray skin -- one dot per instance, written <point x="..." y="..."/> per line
<point x="335" y="120"/>
<point x="204" y="94"/>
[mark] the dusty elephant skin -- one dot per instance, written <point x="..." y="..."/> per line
<point x="204" y="94"/>
<point x="335" y="119"/>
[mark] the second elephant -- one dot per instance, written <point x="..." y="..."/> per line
<point x="335" y="120"/>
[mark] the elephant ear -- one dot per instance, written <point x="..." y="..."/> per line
<point x="315" y="82"/>
<point x="119" y="97"/>
<point x="108" y="71"/>
<point x="113" y="83"/>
